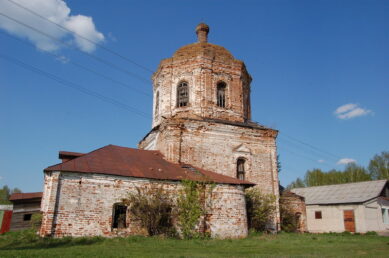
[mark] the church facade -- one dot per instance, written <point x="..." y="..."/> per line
<point x="201" y="131"/>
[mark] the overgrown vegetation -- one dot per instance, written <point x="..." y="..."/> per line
<point x="156" y="209"/>
<point x="153" y="208"/>
<point x="14" y="244"/>
<point x="36" y="221"/>
<point x="261" y="209"/>
<point x="288" y="219"/>
<point x="378" y="169"/>
<point x="192" y="208"/>
<point x="189" y="208"/>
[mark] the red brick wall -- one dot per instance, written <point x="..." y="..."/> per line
<point x="81" y="205"/>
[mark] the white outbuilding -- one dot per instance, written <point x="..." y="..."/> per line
<point x="354" y="207"/>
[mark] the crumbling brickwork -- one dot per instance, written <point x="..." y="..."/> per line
<point x="295" y="205"/>
<point x="216" y="146"/>
<point x="202" y="65"/>
<point x="202" y="133"/>
<point x="84" y="205"/>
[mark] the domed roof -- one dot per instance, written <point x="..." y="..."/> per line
<point x="203" y="48"/>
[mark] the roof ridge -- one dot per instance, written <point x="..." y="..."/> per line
<point x="317" y="186"/>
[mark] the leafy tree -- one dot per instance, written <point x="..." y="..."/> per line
<point x="355" y="173"/>
<point x="378" y="169"/>
<point x="6" y="192"/>
<point x="379" y="166"/>
<point x="314" y="177"/>
<point x="296" y="184"/>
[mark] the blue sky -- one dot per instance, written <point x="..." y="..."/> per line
<point x="307" y="59"/>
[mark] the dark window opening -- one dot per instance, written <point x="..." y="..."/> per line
<point x="27" y="217"/>
<point x="240" y="171"/>
<point x="182" y="94"/>
<point x="119" y="216"/>
<point x="317" y="214"/>
<point x="156" y="104"/>
<point x="221" y="94"/>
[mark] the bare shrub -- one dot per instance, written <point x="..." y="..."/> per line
<point x="153" y="207"/>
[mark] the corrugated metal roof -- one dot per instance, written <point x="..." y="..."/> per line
<point x="122" y="161"/>
<point x="25" y="196"/>
<point x="342" y="193"/>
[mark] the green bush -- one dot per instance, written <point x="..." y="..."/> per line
<point x="192" y="208"/>
<point x="261" y="209"/>
<point x="36" y="221"/>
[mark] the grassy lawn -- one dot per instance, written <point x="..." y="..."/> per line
<point x="282" y="245"/>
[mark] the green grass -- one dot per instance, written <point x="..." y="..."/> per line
<point x="26" y="244"/>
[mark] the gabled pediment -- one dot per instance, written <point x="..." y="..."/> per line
<point x="242" y="148"/>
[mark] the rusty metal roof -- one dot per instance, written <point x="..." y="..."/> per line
<point x="25" y="196"/>
<point x="342" y="193"/>
<point x="129" y="162"/>
<point x="291" y="194"/>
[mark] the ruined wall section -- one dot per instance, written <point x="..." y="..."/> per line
<point x="202" y="74"/>
<point x="48" y="203"/>
<point x="295" y="205"/>
<point x="84" y="205"/>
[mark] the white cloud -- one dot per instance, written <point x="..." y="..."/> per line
<point x="56" y="11"/>
<point x="345" y="161"/>
<point x="63" y="59"/>
<point x="321" y="161"/>
<point x="350" y="110"/>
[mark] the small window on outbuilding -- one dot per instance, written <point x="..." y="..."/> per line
<point x="182" y="94"/>
<point x="317" y="214"/>
<point x="221" y="94"/>
<point x="240" y="169"/>
<point x="27" y="217"/>
<point x="119" y="215"/>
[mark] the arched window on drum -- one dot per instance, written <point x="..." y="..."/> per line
<point x="221" y="94"/>
<point x="182" y="94"/>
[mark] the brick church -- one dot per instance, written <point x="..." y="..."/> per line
<point x="201" y="129"/>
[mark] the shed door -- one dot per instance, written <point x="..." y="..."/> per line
<point x="349" y="221"/>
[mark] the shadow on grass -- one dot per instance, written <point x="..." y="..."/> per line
<point x="29" y="240"/>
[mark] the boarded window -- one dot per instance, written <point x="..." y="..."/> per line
<point x="317" y="214"/>
<point x="221" y="94"/>
<point x="27" y="217"/>
<point x="119" y="216"/>
<point x="182" y="94"/>
<point x="240" y="169"/>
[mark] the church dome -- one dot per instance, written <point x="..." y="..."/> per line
<point x="203" y="48"/>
